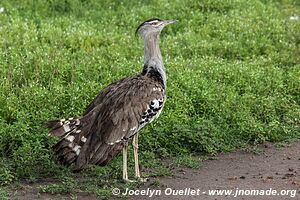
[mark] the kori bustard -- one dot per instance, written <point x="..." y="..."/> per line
<point x="117" y="113"/>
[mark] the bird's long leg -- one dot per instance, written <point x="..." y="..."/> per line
<point x="125" y="166"/>
<point x="136" y="158"/>
<point x="135" y="154"/>
<point x="125" y="173"/>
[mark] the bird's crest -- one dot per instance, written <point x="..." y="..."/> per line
<point x="147" y="21"/>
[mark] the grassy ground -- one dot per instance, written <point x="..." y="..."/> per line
<point x="233" y="79"/>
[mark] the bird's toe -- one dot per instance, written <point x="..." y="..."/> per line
<point x="129" y="181"/>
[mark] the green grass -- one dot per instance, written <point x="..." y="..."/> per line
<point x="233" y="78"/>
<point x="187" y="161"/>
<point x="4" y="194"/>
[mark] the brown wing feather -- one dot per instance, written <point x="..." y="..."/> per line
<point x="127" y="102"/>
<point x="119" y="109"/>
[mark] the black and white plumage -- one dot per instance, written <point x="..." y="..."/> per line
<point x="117" y="113"/>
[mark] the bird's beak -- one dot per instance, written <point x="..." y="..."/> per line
<point x="167" y="22"/>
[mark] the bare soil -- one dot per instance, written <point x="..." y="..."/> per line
<point x="271" y="169"/>
<point x="275" y="168"/>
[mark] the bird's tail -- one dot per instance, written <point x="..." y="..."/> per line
<point x="73" y="133"/>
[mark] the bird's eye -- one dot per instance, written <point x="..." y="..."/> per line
<point x="154" y="23"/>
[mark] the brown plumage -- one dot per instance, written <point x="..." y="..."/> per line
<point x="117" y="113"/>
<point x="108" y="122"/>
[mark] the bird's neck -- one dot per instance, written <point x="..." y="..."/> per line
<point x="153" y="63"/>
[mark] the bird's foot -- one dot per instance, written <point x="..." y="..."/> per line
<point x="129" y="181"/>
<point x="138" y="179"/>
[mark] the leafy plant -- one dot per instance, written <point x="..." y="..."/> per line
<point x="233" y="79"/>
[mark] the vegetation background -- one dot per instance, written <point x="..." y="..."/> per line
<point x="233" y="80"/>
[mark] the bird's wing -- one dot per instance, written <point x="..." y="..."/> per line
<point x="126" y="108"/>
<point x="121" y="112"/>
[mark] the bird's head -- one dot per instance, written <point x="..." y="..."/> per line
<point x="153" y="25"/>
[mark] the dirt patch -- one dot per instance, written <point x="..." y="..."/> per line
<point x="31" y="191"/>
<point x="270" y="171"/>
<point x="273" y="169"/>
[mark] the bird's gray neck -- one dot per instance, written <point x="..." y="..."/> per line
<point x="153" y="63"/>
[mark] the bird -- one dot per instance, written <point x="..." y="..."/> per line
<point x="117" y="113"/>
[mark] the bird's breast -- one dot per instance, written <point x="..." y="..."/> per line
<point x="152" y="112"/>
